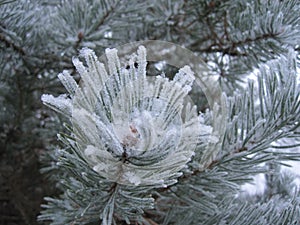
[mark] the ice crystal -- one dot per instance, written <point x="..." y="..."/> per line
<point x="130" y="129"/>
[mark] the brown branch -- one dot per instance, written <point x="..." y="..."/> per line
<point x="215" y="35"/>
<point x="258" y="38"/>
<point x="209" y="166"/>
<point x="150" y="221"/>
<point x="228" y="51"/>
<point x="231" y="50"/>
<point x="12" y="45"/>
<point x="225" y="22"/>
<point x="80" y="35"/>
<point x="106" y="15"/>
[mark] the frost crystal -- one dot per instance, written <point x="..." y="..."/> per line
<point x="132" y="177"/>
<point x="130" y="129"/>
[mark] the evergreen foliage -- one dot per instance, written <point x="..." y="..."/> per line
<point x="133" y="150"/>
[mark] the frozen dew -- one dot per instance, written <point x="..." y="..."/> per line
<point x="130" y="129"/>
<point x="108" y="34"/>
<point x="61" y="103"/>
<point x="132" y="178"/>
<point x="68" y="81"/>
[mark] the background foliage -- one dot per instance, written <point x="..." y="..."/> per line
<point x="234" y="37"/>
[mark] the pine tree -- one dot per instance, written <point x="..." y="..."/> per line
<point x="166" y="109"/>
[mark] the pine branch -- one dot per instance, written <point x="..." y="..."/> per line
<point x="242" y="157"/>
<point x="232" y="50"/>
<point x="237" y="44"/>
<point x="97" y="25"/>
<point x="12" y="45"/>
<point x="122" y="165"/>
<point x="2" y="2"/>
<point x="120" y="159"/>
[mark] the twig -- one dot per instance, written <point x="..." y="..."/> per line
<point x="150" y="221"/>
<point x="12" y="45"/>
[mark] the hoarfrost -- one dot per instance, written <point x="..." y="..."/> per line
<point x="132" y="178"/>
<point x="60" y="104"/>
<point x="131" y="130"/>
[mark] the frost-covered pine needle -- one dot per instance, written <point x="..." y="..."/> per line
<point x="130" y="130"/>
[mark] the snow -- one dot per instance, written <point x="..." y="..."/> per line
<point x="132" y="178"/>
<point x="68" y="81"/>
<point x="257" y="187"/>
<point x="61" y="103"/>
